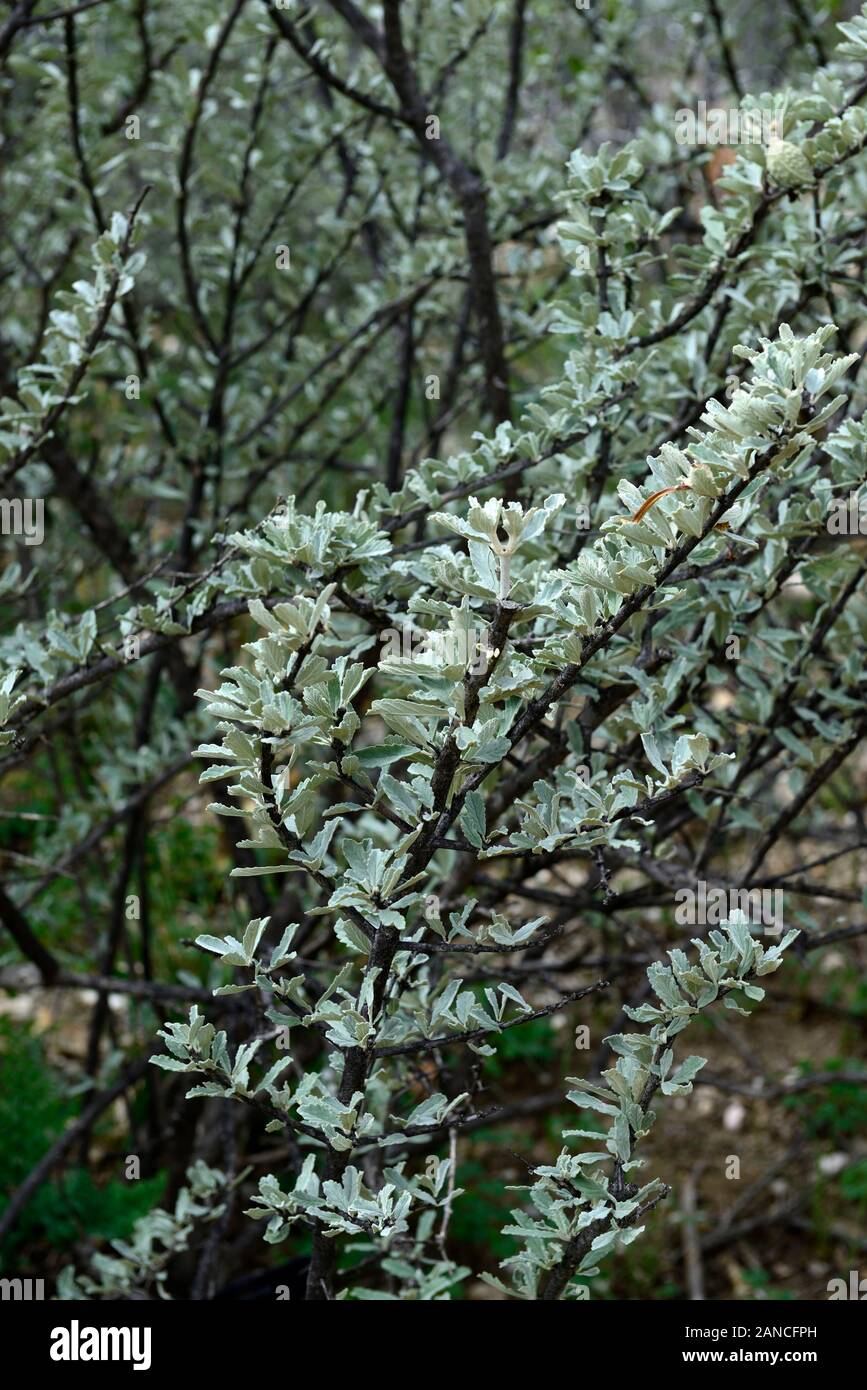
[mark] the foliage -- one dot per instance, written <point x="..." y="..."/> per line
<point x="138" y="1265"/>
<point x="448" y="470"/>
<point x="34" y="1107"/>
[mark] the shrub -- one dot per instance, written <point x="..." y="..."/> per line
<point x="529" y="629"/>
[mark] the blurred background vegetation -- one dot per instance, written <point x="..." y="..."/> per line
<point x="71" y="819"/>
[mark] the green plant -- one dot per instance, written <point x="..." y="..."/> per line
<point x="519" y="510"/>
<point x="34" y="1108"/>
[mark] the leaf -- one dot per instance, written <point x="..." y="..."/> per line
<point x="687" y="1070"/>
<point x="473" y="819"/>
<point x="588" y="1102"/>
